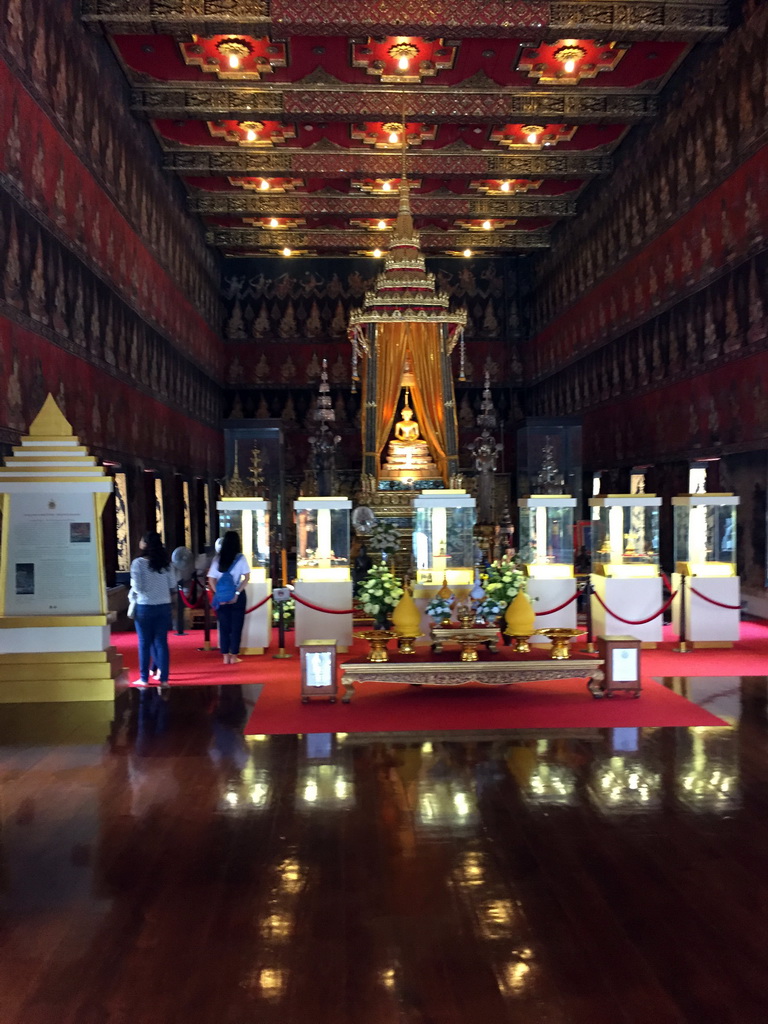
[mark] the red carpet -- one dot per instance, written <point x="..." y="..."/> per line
<point x="392" y="708"/>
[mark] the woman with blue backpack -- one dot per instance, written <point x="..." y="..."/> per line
<point x="228" y="578"/>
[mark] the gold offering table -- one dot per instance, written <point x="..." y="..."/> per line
<point x="497" y="672"/>
<point x="468" y="638"/>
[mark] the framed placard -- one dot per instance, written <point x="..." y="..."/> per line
<point x="621" y="655"/>
<point x="318" y="669"/>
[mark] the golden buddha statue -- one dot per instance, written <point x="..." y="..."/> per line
<point x="406" y="429"/>
<point x="408" y="455"/>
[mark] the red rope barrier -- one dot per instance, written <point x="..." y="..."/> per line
<point x="666" y="580"/>
<point x="636" y="622"/>
<point x="189" y="604"/>
<point x="698" y="593"/>
<point x="551" y="611"/>
<point x="258" y="605"/>
<point x="317" y="608"/>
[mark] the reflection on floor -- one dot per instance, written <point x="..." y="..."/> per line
<point x="156" y="866"/>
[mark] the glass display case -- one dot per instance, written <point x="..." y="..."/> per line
<point x="322" y="539"/>
<point x="546" y="535"/>
<point x="443" y="541"/>
<point x="625" y="535"/>
<point x="705" y="534"/>
<point x="250" y="518"/>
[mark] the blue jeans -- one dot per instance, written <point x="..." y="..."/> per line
<point x="231" y="619"/>
<point x="153" y="622"/>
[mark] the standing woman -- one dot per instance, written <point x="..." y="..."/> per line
<point x="153" y="580"/>
<point x="231" y="564"/>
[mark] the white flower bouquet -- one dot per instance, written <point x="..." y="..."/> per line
<point x="379" y="592"/>
<point x="439" y="609"/>
<point x="504" y="581"/>
<point x="383" y="537"/>
<point x="488" y="610"/>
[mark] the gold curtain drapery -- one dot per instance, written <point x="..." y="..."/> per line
<point x="422" y="343"/>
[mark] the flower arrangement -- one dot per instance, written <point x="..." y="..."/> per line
<point x="488" y="610"/>
<point x="504" y="581"/>
<point x="439" y="609"/>
<point x="289" y="612"/>
<point x="379" y="591"/>
<point x="383" y="537"/>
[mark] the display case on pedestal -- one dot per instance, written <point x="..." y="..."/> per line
<point x="625" y="566"/>
<point x="707" y="608"/>
<point x="323" y="589"/>
<point x="443" y="545"/>
<point x="250" y="518"/>
<point x="546" y="551"/>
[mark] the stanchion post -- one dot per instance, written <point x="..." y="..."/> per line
<point x="280" y="595"/>
<point x="206" y="620"/>
<point x="591" y="649"/>
<point x="179" y="611"/>
<point x="682" y="645"/>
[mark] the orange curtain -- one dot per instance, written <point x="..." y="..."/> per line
<point x="429" y="399"/>
<point x="391" y="343"/>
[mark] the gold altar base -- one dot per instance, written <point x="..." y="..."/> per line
<point x="521" y="644"/>
<point x="407" y="644"/>
<point x="378" y="640"/>
<point x="698" y="645"/>
<point x="252" y="650"/>
<point x="53" y="678"/>
<point x="560" y="637"/>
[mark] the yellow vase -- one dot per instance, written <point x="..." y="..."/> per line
<point x="406" y="617"/>
<point x="519" y="616"/>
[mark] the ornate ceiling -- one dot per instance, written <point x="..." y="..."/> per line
<point x="285" y="118"/>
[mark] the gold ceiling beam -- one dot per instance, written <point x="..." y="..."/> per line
<point x="337" y="161"/>
<point x="235" y="204"/>
<point x="348" y="241"/>
<point x="453" y="105"/>
<point x="602" y="19"/>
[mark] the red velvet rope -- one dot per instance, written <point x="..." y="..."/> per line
<point x="636" y="622"/>
<point x="258" y="605"/>
<point x="317" y="608"/>
<point x="551" y="611"/>
<point x="666" y="580"/>
<point x="189" y="604"/>
<point x="698" y="593"/>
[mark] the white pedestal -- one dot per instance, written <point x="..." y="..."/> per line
<point x="312" y="625"/>
<point x="706" y="623"/>
<point x="631" y="598"/>
<point x="257" y="629"/>
<point x="549" y="594"/>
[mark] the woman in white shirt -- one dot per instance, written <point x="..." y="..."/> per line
<point x="153" y="582"/>
<point x="231" y="611"/>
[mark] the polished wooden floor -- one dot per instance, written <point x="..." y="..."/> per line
<point x="158" y="867"/>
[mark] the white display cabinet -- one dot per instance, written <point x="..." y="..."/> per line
<point x="546" y="551"/>
<point x="443" y="538"/>
<point x="323" y="577"/>
<point x="705" y="555"/>
<point x="250" y="518"/>
<point x="443" y="547"/>
<point x="625" y="565"/>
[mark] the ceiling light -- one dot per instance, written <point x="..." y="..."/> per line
<point x="377" y="253"/>
<point x="386" y="187"/>
<point x="274" y="223"/>
<point x="264" y="185"/>
<point x="250" y="135"/>
<point x="487" y="225"/>
<point x="393" y="136"/>
<point x="382" y="225"/>
<point x="467" y="253"/>
<point x="569" y="67"/>
<point x="234" y="60"/>
<point x="403" y="63"/>
<point x="532" y="138"/>
<point x="286" y="251"/>
<point x="505" y="186"/>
